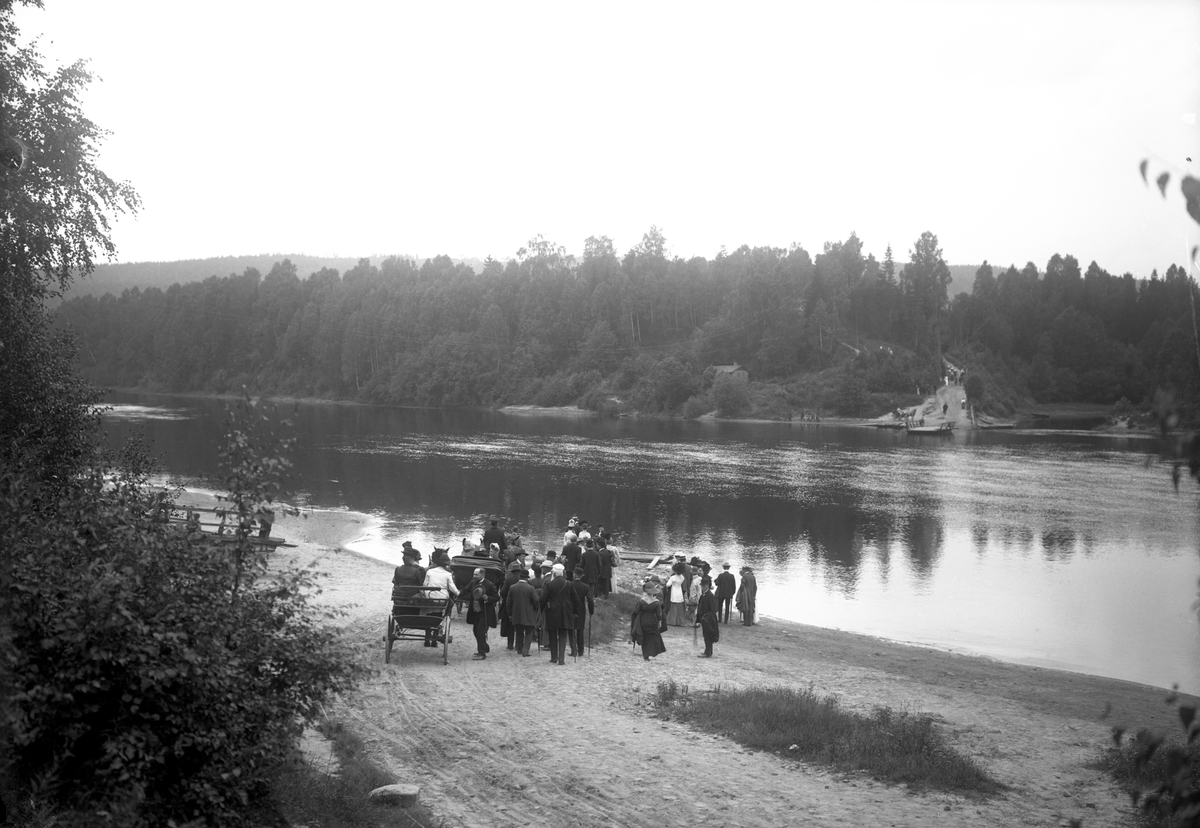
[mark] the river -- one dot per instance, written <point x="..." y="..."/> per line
<point x="1056" y="549"/>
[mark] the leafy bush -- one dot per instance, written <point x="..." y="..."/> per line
<point x="156" y="675"/>
<point x="731" y="397"/>
<point x="697" y="406"/>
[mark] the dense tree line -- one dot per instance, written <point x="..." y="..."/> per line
<point x="545" y="328"/>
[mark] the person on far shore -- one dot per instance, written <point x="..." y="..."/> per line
<point x="706" y="616"/>
<point x="646" y="623"/>
<point x="522" y="605"/>
<point x="726" y="589"/>
<point x="676" y="609"/>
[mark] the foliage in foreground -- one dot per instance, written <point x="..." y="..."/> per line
<point x="893" y="747"/>
<point x="155" y="676"/>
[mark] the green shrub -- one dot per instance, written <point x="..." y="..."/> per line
<point x="731" y="396"/>
<point x="894" y="747"/>
<point x="156" y="675"/>
<point x="697" y="406"/>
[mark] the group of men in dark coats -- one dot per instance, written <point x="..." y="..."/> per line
<point x="549" y="606"/>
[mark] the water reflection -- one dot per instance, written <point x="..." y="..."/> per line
<point x="994" y="542"/>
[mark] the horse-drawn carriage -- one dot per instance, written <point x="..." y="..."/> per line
<point x="415" y="616"/>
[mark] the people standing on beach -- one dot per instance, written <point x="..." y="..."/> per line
<point x="726" y="589"/>
<point x="646" y="623"/>
<point x="495" y="534"/>
<point x="481" y="611"/>
<point x="706" y="617"/>
<point x="558" y="614"/>
<point x="522" y="607"/>
<point x="585" y="607"/>
<point x="747" y="596"/>
<point x="676" y="613"/>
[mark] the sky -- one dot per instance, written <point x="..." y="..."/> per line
<point x="1012" y="130"/>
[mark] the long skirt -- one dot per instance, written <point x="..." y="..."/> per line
<point x="676" y="615"/>
<point x="652" y="644"/>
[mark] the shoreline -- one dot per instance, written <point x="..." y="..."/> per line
<point x="1038" y="730"/>
<point x="1067" y="409"/>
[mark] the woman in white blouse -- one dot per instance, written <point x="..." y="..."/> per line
<point x="439" y="576"/>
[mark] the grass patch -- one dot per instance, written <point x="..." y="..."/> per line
<point x="893" y="747"/>
<point x="611" y="621"/>
<point x="306" y="796"/>
<point x="1163" y="782"/>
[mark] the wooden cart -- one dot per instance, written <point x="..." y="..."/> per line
<point x="415" y="616"/>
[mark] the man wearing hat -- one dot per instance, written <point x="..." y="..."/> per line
<point x="726" y="589"/>
<point x="572" y="553"/>
<point x="506" y="626"/>
<point x="521" y="604"/>
<point x="706" y="616"/>
<point x="495" y="534"/>
<point x="558" y="614"/>
<point x="481" y="611"/>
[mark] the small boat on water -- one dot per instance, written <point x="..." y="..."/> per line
<point x="941" y="428"/>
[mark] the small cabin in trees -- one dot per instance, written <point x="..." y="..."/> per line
<point x="736" y="371"/>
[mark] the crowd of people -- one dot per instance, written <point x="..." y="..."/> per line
<point x="550" y="598"/>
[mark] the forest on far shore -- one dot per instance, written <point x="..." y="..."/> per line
<point x="838" y="332"/>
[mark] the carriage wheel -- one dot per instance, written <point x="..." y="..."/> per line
<point x="387" y="647"/>
<point x="446" y="640"/>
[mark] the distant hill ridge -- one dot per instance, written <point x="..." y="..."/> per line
<point x="117" y="278"/>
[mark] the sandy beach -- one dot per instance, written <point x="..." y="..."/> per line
<point x="516" y="742"/>
<point x="512" y="742"/>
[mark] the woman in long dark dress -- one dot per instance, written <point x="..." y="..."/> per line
<point x="646" y="622"/>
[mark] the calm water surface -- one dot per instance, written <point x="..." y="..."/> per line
<point x="1060" y="550"/>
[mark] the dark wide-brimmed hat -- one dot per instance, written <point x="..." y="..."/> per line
<point x="695" y="561"/>
<point x="409" y="552"/>
<point x="515" y="567"/>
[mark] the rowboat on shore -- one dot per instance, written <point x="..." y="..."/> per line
<point x="941" y="428"/>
